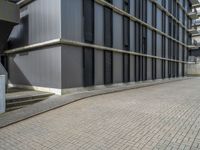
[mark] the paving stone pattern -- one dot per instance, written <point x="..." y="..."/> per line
<point x="159" y="117"/>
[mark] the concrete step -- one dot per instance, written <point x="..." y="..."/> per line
<point x="18" y="98"/>
<point x="24" y="102"/>
<point x="13" y="108"/>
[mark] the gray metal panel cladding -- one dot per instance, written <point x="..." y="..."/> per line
<point x="44" y="21"/>
<point x="180" y="68"/>
<point x="159" y="45"/>
<point x="99" y="24"/>
<point x="132" y="36"/>
<point x="149" y="12"/>
<point x="118" y="3"/>
<point x="180" y="33"/>
<point x="159" y="1"/>
<point x="158" y="69"/>
<point x="99" y="67"/>
<point x="149" y="69"/>
<point x="117" y="68"/>
<point x="37" y="68"/>
<point x="166" y="50"/>
<point x="181" y="16"/>
<point x="72" y="67"/>
<point x="167" y="25"/>
<point x="180" y="52"/>
<point x="72" y="19"/>
<point x="159" y="19"/>
<point x="132" y="68"/>
<point x="149" y="42"/>
<point x="117" y="31"/>
<point x="166" y="69"/>
<point x="132" y="7"/>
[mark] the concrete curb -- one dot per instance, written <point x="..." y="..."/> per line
<point x="59" y="101"/>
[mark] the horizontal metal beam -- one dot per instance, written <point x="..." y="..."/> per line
<point x="59" y="42"/>
<point x="195" y="35"/>
<point x="196" y="6"/>
<point x="23" y="3"/>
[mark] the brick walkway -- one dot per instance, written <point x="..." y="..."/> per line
<point x="165" y="116"/>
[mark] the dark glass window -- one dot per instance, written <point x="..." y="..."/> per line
<point x="174" y="29"/>
<point x="143" y="10"/>
<point x="183" y="19"/>
<point x="164" y="3"/>
<point x="137" y="8"/>
<point x="170" y="5"/>
<point x="126" y="42"/>
<point x="154" y="16"/>
<point x="108" y="41"/>
<point x="88" y="13"/>
<point x="178" y="11"/>
<point x="174" y="8"/>
<point x="184" y="3"/>
<point x="170" y="26"/>
<point x="88" y="66"/>
<point x="163" y="56"/>
<point x="144" y="51"/>
<point x="108" y="27"/>
<point x="163" y="21"/>
<point x="88" y="53"/>
<point x="126" y="6"/>
<point x="177" y="31"/>
<point x="154" y="49"/>
<point x="183" y="36"/>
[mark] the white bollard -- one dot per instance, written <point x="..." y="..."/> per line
<point x="2" y="94"/>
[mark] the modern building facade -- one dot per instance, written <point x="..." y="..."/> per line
<point x="60" y="45"/>
<point x="195" y="51"/>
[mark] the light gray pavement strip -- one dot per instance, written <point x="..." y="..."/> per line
<point x="164" y="116"/>
<point x="55" y="101"/>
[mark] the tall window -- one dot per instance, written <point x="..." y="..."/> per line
<point x="137" y="49"/>
<point x="183" y="59"/>
<point x="178" y="11"/>
<point x="177" y="58"/>
<point x="170" y="26"/>
<point x="183" y="19"/>
<point x="126" y="42"/>
<point x="108" y="41"/>
<point x="154" y="42"/>
<point x="164" y="3"/>
<point x="163" y="43"/>
<point x="144" y="51"/>
<point x="137" y="8"/>
<point x="184" y="3"/>
<point x="143" y="60"/>
<point x="174" y="8"/>
<point x="170" y="5"/>
<point x="88" y="53"/>
<point x="183" y="36"/>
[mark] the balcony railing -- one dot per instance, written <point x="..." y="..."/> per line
<point x="193" y="30"/>
<point x="193" y="14"/>
<point x="194" y="2"/>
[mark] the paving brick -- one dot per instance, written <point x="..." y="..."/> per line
<point x="161" y="117"/>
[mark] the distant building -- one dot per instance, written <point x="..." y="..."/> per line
<point x="61" y="45"/>
<point x="195" y="51"/>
